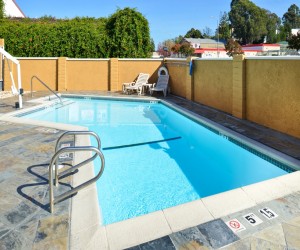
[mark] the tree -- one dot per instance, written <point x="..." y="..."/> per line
<point x="233" y="48"/>
<point x="165" y="47"/>
<point x="224" y="27"/>
<point x="294" y="42"/>
<point x="129" y="34"/>
<point x="176" y="48"/>
<point x="273" y="25"/>
<point x="186" y="49"/>
<point x="291" y="18"/>
<point x="207" y="32"/>
<point x="193" y="33"/>
<point x="2" y="9"/>
<point x="178" y="39"/>
<point x="152" y="45"/>
<point x="248" y="21"/>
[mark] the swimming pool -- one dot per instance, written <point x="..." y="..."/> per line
<point x="157" y="158"/>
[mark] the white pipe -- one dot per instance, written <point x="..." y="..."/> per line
<point x="20" y="86"/>
<point x="13" y="87"/>
<point x="9" y="56"/>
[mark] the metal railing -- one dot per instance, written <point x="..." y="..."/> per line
<point x="53" y="167"/>
<point x="81" y="163"/>
<point x="31" y="82"/>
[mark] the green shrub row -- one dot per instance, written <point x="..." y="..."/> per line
<point x="78" y="37"/>
<point x="47" y="37"/>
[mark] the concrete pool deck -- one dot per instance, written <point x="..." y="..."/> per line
<point x="25" y="222"/>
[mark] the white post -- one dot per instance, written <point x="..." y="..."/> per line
<point x="14" y="60"/>
<point x="20" y="86"/>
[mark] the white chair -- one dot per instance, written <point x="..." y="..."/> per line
<point x="136" y="85"/>
<point x="161" y="85"/>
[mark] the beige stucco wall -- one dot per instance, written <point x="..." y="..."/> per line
<point x="45" y="69"/>
<point x="178" y="71"/>
<point x="213" y="83"/>
<point x="128" y="69"/>
<point x="83" y="74"/>
<point x="273" y="94"/>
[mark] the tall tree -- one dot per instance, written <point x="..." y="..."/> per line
<point x="273" y="25"/>
<point x="292" y="17"/>
<point x="178" y="39"/>
<point x="224" y="27"/>
<point x="129" y="34"/>
<point x="1" y="9"/>
<point x="207" y="32"/>
<point x="193" y="33"/>
<point x="248" y="21"/>
<point x="152" y="45"/>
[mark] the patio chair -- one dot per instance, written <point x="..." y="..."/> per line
<point x="136" y="85"/>
<point x="161" y="85"/>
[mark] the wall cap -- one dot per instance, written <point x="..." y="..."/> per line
<point x="273" y="58"/>
<point x="215" y="59"/>
<point x="88" y="59"/>
<point x="140" y="59"/>
<point x="37" y="58"/>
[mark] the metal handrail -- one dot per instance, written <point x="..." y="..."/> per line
<point x="81" y="163"/>
<point x="52" y="201"/>
<point x="45" y="86"/>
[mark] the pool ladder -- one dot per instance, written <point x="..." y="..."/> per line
<point x="53" y="167"/>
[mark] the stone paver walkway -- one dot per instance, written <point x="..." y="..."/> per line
<point x="25" y="221"/>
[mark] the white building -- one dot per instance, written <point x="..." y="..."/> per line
<point x="261" y="49"/>
<point x="207" y="48"/>
<point x="198" y="43"/>
<point x="295" y="31"/>
<point x="11" y="9"/>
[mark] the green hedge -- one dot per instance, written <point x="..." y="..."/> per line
<point x="47" y="37"/>
<point x="78" y="37"/>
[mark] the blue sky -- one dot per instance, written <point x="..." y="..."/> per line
<point x="167" y="19"/>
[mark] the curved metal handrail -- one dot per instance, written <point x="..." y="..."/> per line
<point x="80" y="132"/>
<point x="45" y="86"/>
<point x="52" y="201"/>
<point x="81" y="163"/>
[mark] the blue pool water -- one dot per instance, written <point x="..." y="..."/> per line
<point x="157" y="158"/>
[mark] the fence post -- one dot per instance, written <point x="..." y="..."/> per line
<point x="62" y="74"/>
<point x="239" y="87"/>
<point x="114" y="74"/>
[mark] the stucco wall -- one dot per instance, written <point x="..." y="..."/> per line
<point x="213" y="83"/>
<point x="128" y="69"/>
<point x="178" y="71"/>
<point x="43" y="68"/>
<point x="83" y="74"/>
<point x="273" y="94"/>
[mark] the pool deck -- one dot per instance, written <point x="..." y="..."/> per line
<point x="25" y="222"/>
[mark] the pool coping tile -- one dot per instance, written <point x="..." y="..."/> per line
<point x="266" y="190"/>
<point x="187" y="215"/>
<point x="228" y="202"/>
<point x="137" y="230"/>
<point x="291" y="181"/>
